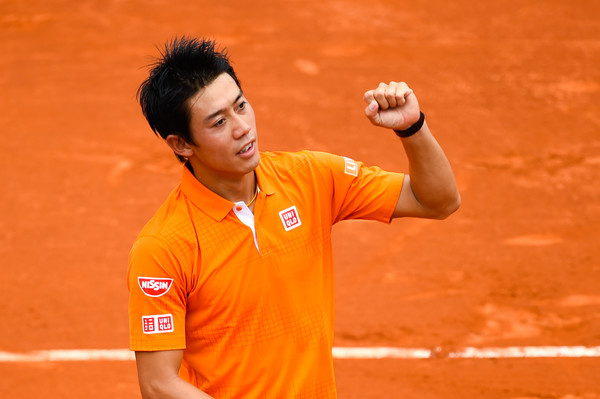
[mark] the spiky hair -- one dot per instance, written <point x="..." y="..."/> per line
<point x="185" y="66"/>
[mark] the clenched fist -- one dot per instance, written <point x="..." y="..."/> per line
<point x="392" y="106"/>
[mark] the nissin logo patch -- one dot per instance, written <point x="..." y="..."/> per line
<point x="155" y="287"/>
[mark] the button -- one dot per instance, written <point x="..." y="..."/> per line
<point x="238" y="208"/>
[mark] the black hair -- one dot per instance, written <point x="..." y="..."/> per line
<point x="185" y="66"/>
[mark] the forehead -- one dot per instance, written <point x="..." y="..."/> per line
<point x="219" y="94"/>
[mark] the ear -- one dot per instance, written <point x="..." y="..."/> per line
<point x="179" y="146"/>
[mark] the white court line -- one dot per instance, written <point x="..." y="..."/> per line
<point x="526" y="352"/>
<point x="66" y="355"/>
<point x="515" y="352"/>
<point x="380" y="353"/>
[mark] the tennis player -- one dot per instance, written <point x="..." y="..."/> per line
<point x="231" y="281"/>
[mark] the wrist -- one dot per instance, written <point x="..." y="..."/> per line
<point x="412" y="129"/>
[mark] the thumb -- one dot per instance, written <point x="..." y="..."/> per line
<point x="371" y="110"/>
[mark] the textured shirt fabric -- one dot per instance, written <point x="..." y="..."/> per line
<point x="255" y="318"/>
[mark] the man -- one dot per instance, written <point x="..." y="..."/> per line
<point x="231" y="281"/>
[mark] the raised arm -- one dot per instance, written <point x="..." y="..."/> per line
<point x="429" y="189"/>
<point x="158" y="374"/>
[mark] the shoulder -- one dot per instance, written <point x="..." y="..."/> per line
<point x="169" y="228"/>
<point x="284" y="158"/>
<point x="291" y="162"/>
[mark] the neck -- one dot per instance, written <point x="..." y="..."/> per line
<point x="234" y="190"/>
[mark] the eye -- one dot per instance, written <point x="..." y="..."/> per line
<point x="219" y="122"/>
<point x="242" y="105"/>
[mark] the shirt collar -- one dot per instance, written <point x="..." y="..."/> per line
<point x="211" y="203"/>
<point x="264" y="182"/>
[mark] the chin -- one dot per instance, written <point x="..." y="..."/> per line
<point x="256" y="158"/>
<point x="255" y="163"/>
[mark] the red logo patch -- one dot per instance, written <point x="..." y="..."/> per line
<point x="155" y="287"/>
<point x="290" y="218"/>
<point x="156" y="324"/>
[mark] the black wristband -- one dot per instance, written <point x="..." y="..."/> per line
<point x="413" y="129"/>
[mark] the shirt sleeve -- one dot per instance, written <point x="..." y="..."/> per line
<point x="157" y="297"/>
<point x="359" y="191"/>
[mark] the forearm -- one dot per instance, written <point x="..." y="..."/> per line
<point x="431" y="178"/>
<point x="429" y="190"/>
<point x="158" y="374"/>
<point x="175" y="388"/>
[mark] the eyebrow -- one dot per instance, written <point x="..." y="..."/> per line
<point x="222" y="110"/>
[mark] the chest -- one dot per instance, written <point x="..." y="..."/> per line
<point x="286" y="258"/>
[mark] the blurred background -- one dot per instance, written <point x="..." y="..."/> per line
<point x="511" y="90"/>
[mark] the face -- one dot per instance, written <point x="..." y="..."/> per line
<point x="223" y="129"/>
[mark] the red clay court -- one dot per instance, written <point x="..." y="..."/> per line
<point x="511" y="90"/>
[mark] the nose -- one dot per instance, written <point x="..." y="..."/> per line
<point x="241" y="128"/>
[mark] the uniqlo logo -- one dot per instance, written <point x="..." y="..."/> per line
<point x="289" y="218"/>
<point x="351" y="167"/>
<point x="157" y="324"/>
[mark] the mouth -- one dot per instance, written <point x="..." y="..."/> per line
<point x="246" y="148"/>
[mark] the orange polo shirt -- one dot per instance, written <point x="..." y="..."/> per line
<point x="255" y="319"/>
